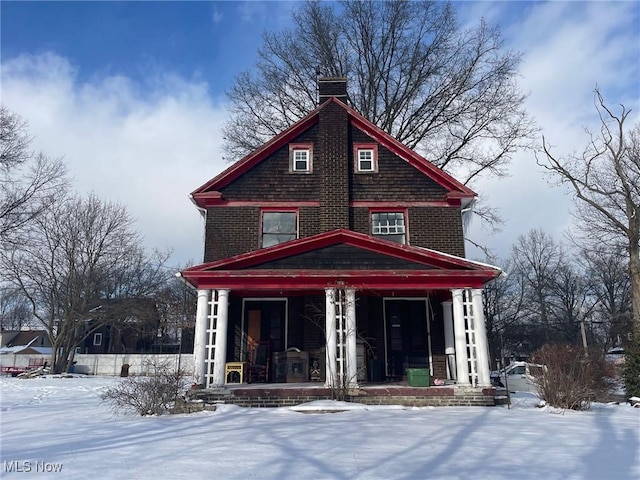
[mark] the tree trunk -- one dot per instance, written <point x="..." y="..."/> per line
<point x="634" y="267"/>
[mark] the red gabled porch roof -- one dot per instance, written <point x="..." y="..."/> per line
<point x="209" y="193"/>
<point x="243" y="271"/>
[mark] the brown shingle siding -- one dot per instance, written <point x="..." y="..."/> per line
<point x="437" y="228"/>
<point x="230" y="231"/>
<point x="395" y="180"/>
<point x="270" y="180"/>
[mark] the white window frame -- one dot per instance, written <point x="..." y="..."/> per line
<point x="97" y="339"/>
<point x="365" y="152"/>
<point x="382" y="230"/>
<point x="300" y="148"/>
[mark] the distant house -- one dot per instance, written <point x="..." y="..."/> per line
<point x="128" y="326"/>
<point x="336" y="244"/>
<point x="25" y="342"/>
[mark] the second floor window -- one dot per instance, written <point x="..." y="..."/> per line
<point x="389" y="226"/>
<point x="278" y="227"/>
<point x="97" y="339"/>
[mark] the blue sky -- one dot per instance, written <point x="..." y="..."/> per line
<point x="131" y="94"/>
<point x="199" y="40"/>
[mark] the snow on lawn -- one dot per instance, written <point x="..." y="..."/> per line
<point x="61" y="423"/>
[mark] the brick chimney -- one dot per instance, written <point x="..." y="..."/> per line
<point x="333" y="156"/>
<point x="332" y="87"/>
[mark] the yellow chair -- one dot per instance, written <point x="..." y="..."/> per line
<point x="231" y="368"/>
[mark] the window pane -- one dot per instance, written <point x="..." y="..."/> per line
<point x="301" y="160"/>
<point x="365" y="165"/>
<point x="365" y="160"/>
<point x="389" y="226"/>
<point x="278" y="227"/>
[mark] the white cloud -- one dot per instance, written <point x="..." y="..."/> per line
<point x="144" y="146"/>
<point x="567" y="48"/>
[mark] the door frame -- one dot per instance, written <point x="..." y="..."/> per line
<point x="244" y="320"/>
<point x="427" y="318"/>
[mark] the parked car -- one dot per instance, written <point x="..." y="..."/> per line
<point x="517" y="376"/>
<point x="615" y="356"/>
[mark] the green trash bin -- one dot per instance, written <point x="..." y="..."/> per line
<point x="418" y="377"/>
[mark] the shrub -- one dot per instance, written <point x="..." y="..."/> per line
<point x="569" y="380"/>
<point x="154" y="394"/>
<point x="631" y="368"/>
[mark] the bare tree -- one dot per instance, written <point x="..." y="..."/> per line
<point x="446" y="92"/>
<point x="15" y="311"/>
<point x="609" y="287"/>
<point x="29" y="182"/>
<point x="536" y="259"/>
<point x="176" y="302"/>
<point x="503" y="307"/>
<point x="76" y="253"/>
<point x="606" y="182"/>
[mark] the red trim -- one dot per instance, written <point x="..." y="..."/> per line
<point x="457" y="190"/>
<point x="298" y="280"/>
<point x="422" y="164"/>
<point x="240" y="167"/>
<point x="279" y="208"/>
<point x="441" y="270"/>
<point x="262" y="204"/>
<point x="396" y="205"/>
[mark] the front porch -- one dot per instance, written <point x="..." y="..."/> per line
<point x="381" y="310"/>
<point x="292" y="394"/>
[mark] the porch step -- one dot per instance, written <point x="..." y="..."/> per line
<point x="277" y="396"/>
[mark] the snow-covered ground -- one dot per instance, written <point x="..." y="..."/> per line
<point x="51" y="424"/>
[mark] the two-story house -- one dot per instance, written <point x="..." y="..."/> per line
<point x="337" y="244"/>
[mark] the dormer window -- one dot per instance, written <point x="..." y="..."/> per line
<point x="300" y="157"/>
<point x="365" y="157"/>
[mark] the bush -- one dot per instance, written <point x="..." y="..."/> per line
<point x="631" y="368"/>
<point x="569" y="380"/>
<point x="149" y="395"/>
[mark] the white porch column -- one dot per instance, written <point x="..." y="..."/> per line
<point x="482" y="345"/>
<point x="449" y="339"/>
<point x="352" y="354"/>
<point x="220" y="352"/>
<point x="462" y="359"/>
<point x="200" y="338"/>
<point x="330" y="334"/>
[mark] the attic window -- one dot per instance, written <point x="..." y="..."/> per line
<point x="365" y="157"/>
<point x="300" y="157"/>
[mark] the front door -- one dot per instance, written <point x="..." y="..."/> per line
<point x="407" y="332"/>
<point x="265" y="321"/>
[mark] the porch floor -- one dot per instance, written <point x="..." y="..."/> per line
<point x="394" y="393"/>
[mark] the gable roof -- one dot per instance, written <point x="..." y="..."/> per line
<point x="419" y="268"/>
<point x="209" y="193"/>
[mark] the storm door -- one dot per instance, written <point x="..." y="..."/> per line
<point x="407" y="336"/>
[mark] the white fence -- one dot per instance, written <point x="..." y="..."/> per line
<point x="108" y="365"/>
